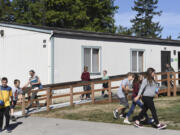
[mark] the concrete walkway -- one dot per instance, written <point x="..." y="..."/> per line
<point x="50" y="126"/>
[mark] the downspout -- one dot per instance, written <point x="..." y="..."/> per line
<point x="52" y="57"/>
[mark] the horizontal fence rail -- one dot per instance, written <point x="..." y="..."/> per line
<point x="49" y="90"/>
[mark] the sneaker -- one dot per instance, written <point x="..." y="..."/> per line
<point x="161" y="126"/>
<point x="151" y="121"/>
<point x="27" y="108"/>
<point x="138" y="125"/>
<point x="115" y="114"/>
<point x="126" y="121"/>
<point x="121" y="116"/>
<point x="8" y="130"/>
<point x="1" y="130"/>
<point x="13" y="118"/>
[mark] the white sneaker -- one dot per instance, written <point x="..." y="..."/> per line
<point x="121" y="116"/>
<point x="127" y="122"/>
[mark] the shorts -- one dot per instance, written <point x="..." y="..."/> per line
<point x="124" y="102"/>
<point x="14" y="104"/>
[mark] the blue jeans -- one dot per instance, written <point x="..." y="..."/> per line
<point x="131" y="110"/>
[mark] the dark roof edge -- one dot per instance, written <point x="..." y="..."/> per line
<point x="97" y="35"/>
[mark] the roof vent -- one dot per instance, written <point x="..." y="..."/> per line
<point x="2" y="33"/>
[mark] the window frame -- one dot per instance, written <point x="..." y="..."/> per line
<point x="100" y="58"/>
<point x="138" y="50"/>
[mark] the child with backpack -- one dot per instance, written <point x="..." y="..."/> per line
<point x="122" y="95"/>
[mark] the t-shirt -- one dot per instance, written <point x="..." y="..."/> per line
<point x="34" y="79"/>
<point x="5" y="93"/>
<point x="105" y="77"/>
<point x="85" y="76"/>
<point x="15" y="93"/>
<point x="120" y="92"/>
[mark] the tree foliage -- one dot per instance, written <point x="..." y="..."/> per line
<point x="143" y="24"/>
<point x="124" y="31"/>
<point x="91" y="15"/>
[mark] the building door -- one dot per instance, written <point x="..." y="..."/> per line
<point x="165" y="59"/>
<point x="179" y="65"/>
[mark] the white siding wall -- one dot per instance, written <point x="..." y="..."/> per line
<point x="115" y="57"/>
<point x="22" y="50"/>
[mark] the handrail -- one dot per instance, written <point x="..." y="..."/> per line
<point x="48" y="96"/>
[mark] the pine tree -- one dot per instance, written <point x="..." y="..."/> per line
<point x="169" y="37"/>
<point x="143" y="25"/>
<point x="178" y="36"/>
<point x="124" y="31"/>
<point x="5" y="10"/>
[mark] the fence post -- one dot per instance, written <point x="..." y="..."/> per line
<point x="175" y="88"/>
<point x="50" y="102"/>
<point x="48" y="95"/>
<point x="92" y="90"/>
<point x="23" y="104"/>
<point x="169" y="86"/>
<point x="29" y="97"/>
<point x="71" y="95"/>
<point x="109" y="91"/>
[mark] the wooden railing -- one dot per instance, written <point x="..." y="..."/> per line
<point x="48" y="90"/>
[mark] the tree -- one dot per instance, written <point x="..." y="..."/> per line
<point x="169" y="37"/>
<point x="143" y="25"/>
<point x="28" y="11"/>
<point x="5" y="10"/>
<point x="124" y="31"/>
<point x="178" y="36"/>
<point x="91" y="15"/>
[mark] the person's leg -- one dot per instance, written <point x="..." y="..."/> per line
<point x="1" y="118"/>
<point x="37" y="102"/>
<point x="144" y="109"/>
<point x="119" y="109"/>
<point x="33" y="96"/>
<point x="7" y="116"/>
<point x="140" y="104"/>
<point x="152" y="108"/>
<point x="131" y="110"/>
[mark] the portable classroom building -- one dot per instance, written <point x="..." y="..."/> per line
<point x="59" y="55"/>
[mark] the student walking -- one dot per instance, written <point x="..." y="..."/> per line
<point x="105" y="77"/>
<point x="136" y="84"/>
<point x="17" y="94"/>
<point x="85" y="77"/>
<point x="148" y="90"/>
<point x="35" y="84"/>
<point x="5" y="95"/>
<point x="122" y="95"/>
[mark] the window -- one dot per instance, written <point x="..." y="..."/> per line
<point x="91" y="59"/>
<point x="137" y="61"/>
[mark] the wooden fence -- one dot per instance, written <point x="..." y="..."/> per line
<point x="50" y="89"/>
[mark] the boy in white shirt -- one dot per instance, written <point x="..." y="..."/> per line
<point x="17" y="94"/>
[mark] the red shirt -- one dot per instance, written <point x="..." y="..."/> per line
<point x="135" y="90"/>
<point x="85" y="76"/>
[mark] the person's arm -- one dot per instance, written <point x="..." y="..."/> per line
<point x="27" y="84"/>
<point x="89" y="76"/>
<point x="11" y="96"/>
<point x="143" y="85"/>
<point x="82" y="76"/>
<point x="124" y="86"/>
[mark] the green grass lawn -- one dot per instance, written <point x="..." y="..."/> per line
<point x="168" y="109"/>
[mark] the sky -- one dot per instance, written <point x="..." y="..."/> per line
<point x="169" y="20"/>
